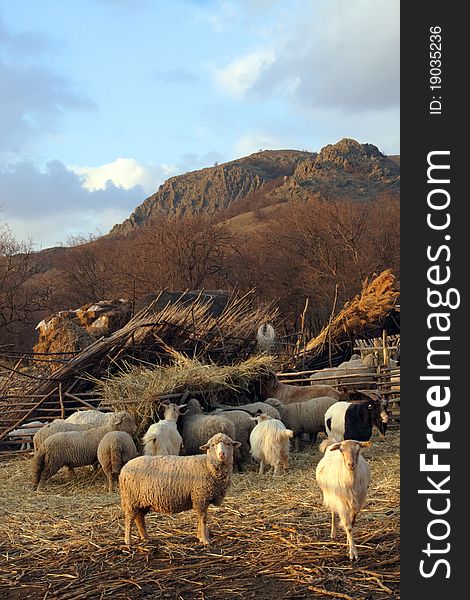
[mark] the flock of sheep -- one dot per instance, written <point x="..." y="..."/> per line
<point x="165" y="481"/>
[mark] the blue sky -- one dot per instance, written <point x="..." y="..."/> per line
<point x="102" y="100"/>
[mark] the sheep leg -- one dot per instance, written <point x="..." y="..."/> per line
<point x="346" y="523"/>
<point x="110" y="482"/>
<point x="140" y="522"/>
<point x="202" y="531"/>
<point x="351" y="542"/>
<point x="128" y="521"/>
<point x="46" y="474"/>
<point x="261" y="467"/>
<point x="296" y="443"/>
<point x="333" y="526"/>
<point x="313" y="438"/>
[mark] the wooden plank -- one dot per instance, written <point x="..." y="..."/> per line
<point x="22" y="418"/>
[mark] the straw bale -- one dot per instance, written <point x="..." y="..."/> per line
<point x="139" y="389"/>
<point x="270" y="539"/>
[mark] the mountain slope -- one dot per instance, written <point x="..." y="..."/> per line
<point x="345" y="169"/>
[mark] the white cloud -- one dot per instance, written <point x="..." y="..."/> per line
<point x="50" y="205"/>
<point x="240" y="75"/>
<point x="335" y="55"/>
<point x="254" y="141"/>
<point x="125" y="173"/>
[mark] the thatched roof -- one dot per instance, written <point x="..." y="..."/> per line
<point x="150" y="337"/>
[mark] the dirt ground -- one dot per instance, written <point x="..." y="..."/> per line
<point x="270" y="539"/>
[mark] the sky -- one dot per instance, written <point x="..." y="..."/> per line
<point x="101" y="101"/>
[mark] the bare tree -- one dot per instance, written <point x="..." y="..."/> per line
<point x="21" y="296"/>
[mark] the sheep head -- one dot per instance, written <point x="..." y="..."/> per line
<point x="219" y="448"/>
<point x="350" y="450"/>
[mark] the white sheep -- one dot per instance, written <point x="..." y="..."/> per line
<point x="172" y="484"/>
<point x="163" y="438"/>
<point x="114" y="451"/>
<point x="344" y="477"/>
<point x="26" y="433"/>
<point x="307" y="417"/>
<point x="198" y="427"/>
<point x="254" y="408"/>
<point x="56" y="426"/>
<point x="75" y="448"/>
<point x="89" y="417"/>
<point x="269" y="443"/>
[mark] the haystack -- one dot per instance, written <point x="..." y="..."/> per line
<point x="62" y="338"/>
<point x="140" y="390"/>
<point x="70" y="331"/>
<point x="359" y="316"/>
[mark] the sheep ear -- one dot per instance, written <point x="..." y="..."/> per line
<point x="253" y="419"/>
<point x="365" y="444"/>
<point x="289" y="433"/>
<point x="236" y="444"/>
<point x="336" y="446"/>
<point x="182" y="412"/>
<point x="204" y="448"/>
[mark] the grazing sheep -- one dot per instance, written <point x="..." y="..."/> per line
<point x="277" y="404"/>
<point x="255" y="408"/>
<point x="286" y="393"/>
<point x="172" y="484"/>
<point x="163" y="438"/>
<point x="90" y="417"/>
<point x="243" y="427"/>
<point x="57" y="426"/>
<point x="354" y="420"/>
<point x="307" y="417"/>
<point x="26" y="433"/>
<point x="269" y="443"/>
<point x="114" y="451"/>
<point x="197" y="427"/>
<point x="75" y="448"/>
<point x="343" y="478"/>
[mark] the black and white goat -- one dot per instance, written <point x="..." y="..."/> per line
<point x="354" y="420"/>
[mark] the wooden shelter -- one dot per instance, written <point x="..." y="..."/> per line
<point x="149" y="338"/>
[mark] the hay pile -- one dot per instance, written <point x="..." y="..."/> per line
<point x="70" y="331"/>
<point x="139" y="389"/>
<point x="362" y="313"/>
<point x="270" y="539"/>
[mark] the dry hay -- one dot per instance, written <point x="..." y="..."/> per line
<point x="270" y="539"/>
<point x="71" y="331"/>
<point x="139" y="389"/>
<point x="64" y="336"/>
<point x="364" y="311"/>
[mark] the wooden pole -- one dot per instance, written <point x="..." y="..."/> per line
<point x="385" y="348"/>
<point x="330" y="359"/>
